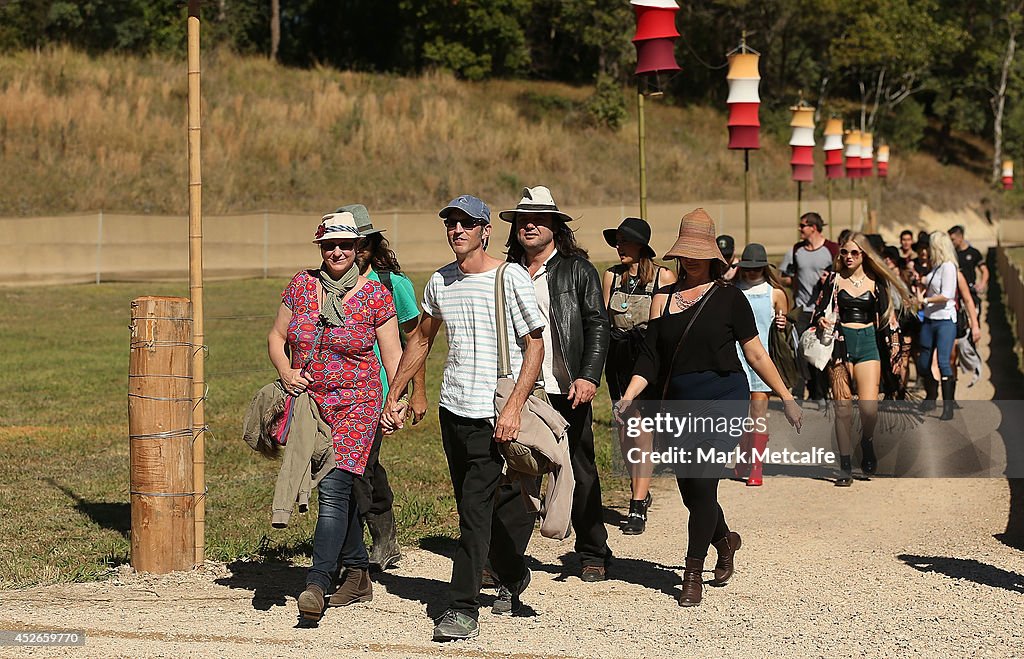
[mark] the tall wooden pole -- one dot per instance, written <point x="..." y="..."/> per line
<point x="643" y="156"/>
<point x="746" y="196"/>
<point x="830" y="209"/>
<point x="195" y="283"/>
<point x="799" y="198"/>
<point x="160" y="435"/>
<point x="853" y="203"/>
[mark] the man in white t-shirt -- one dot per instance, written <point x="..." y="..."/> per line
<point x="461" y="295"/>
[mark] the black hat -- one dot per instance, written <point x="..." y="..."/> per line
<point x="634" y="230"/>
<point x="754" y="256"/>
<point x="726" y="245"/>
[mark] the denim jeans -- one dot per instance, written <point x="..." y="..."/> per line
<point x="339" y="533"/>
<point x="940" y="335"/>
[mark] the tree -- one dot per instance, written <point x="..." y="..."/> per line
<point x="275" y="28"/>
<point x="888" y="49"/>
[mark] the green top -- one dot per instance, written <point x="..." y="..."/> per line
<point x="405" y="308"/>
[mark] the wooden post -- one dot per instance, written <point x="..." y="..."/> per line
<point x="643" y="156"/>
<point x="799" y="198"/>
<point x="853" y="203"/>
<point x="195" y="283"/>
<point x="830" y="210"/>
<point x="746" y="196"/>
<point x="160" y="435"/>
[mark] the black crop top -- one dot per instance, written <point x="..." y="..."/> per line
<point x="860" y="309"/>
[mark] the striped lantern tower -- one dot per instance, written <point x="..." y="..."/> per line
<point x="802" y="144"/>
<point x="883" y="160"/>
<point x="1007" y="175"/>
<point x="655" y="42"/>
<point x="744" y="102"/>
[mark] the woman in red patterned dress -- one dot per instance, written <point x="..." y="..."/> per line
<point x="329" y="320"/>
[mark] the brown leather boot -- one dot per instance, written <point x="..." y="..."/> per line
<point x="693" y="582"/>
<point x="726" y="547"/>
<point x="355" y="587"/>
<point x="311" y="602"/>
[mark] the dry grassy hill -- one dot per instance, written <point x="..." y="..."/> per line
<point x="86" y="133"/>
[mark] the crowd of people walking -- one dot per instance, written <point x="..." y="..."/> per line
<point x="350" y="346"/>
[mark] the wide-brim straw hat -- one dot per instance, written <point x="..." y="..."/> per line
<point x="535" y="200"/>
<point x="696" y="238"/>
<point x="337" y="226"/>
<point x="633" y="229"/>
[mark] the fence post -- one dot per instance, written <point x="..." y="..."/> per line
<point x="163" y="529"/>
<point x="99" y="244"/>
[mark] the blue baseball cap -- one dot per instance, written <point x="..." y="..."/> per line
<point x="470" y="205"/>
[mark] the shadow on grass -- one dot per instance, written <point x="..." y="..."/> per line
<point x="116" y="516"/>
<point x="967" y="569"/>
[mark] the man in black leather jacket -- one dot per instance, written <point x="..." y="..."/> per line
<point x="569" y="296"/>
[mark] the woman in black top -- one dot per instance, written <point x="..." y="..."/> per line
<point x="701" y="364"/>
<point x="628" y="290"/>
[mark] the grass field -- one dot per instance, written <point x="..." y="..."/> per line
<point x="64" y="435"/>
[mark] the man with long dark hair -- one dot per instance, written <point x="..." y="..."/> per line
<point x="569" y="295"/>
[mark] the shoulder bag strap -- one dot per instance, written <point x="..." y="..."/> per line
<point x="686" y="332"/>
<point x="504" y="361"/>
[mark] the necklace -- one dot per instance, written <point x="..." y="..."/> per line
<point x="684" y="303"/>
<point x="857" y="282"/>
<point x="634" y="281"/>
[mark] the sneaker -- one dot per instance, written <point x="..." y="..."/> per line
<point x="454" y="626"/>
<point x="594" y="573"/>
<point x="509" y="602"/>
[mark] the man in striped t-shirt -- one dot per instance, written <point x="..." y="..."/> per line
<point x="461" y="295"/>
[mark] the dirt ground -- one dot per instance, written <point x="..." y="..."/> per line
<point x="885" y="568"/>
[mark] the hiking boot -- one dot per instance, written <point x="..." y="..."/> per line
<point x="508" y="602"/>
<point x="385" y="552"/>
<point x="727" y="548"/>
<point x="693" y="582"/>
<point x="356" y="587"/>
<point x="311" y="602"/>
<point x="454" y="625"/>
<point x="594" y="573"/>
<point x="636" y="523"/>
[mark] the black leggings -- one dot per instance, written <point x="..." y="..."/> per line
<point x="707" y="521"/>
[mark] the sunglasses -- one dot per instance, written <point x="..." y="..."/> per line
<point x="468" y="225"/>
<point x="850" y="252"/>
<point x="804" y="226"/>
<point x="347" y="246"/>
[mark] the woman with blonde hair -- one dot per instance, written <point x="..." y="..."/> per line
<point x="937" y="296"/>
<point x="858" y="290"/>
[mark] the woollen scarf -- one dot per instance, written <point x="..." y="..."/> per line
<point x="335" y="291"/>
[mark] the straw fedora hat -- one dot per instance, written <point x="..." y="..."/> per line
<point x="696" y="238"/>
<point x="337" y="226"/>
<point x="535" y="200"/>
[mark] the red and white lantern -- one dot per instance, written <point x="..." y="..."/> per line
<point x="834" y="149"/>
<point x="656" y="35"/>
<point x="1007" y="175"/>
<point x="867" y="155"/>
<point x="802" y="143"/>
<point x="744" y="101"/>
<point x="883" y="160"/>
<point x="853" y="154"/>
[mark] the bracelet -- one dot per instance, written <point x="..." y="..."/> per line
<point x="404" y="398"/>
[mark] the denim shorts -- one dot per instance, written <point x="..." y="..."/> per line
<point x="861" y="345"/>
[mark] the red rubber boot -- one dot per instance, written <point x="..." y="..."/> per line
<point x="760" y="443"/>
